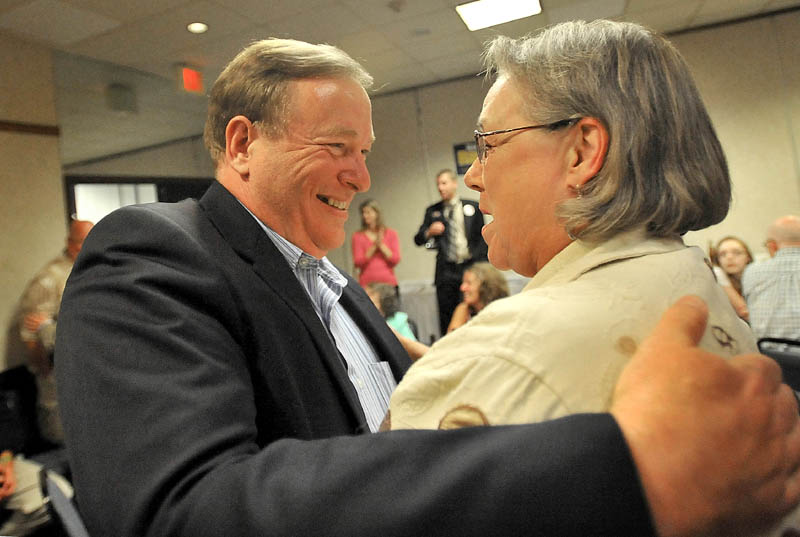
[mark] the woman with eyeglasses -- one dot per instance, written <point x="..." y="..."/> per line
<point x="595" y="155"/>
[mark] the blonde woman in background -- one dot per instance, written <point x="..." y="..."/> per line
<point x="376" y="248"/>
<point x="732" y="256"/>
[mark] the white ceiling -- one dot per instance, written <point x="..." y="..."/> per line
<point x="403" y="43"/>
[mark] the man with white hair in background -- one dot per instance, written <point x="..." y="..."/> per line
<point x="772" y="288"/>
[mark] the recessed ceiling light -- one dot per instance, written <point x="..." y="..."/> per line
<point x="485" y="13"/>
<point x="197" y="27"/>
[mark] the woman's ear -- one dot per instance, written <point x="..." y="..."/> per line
<point x="589" y="151"/>
<point x="239" y="134"/>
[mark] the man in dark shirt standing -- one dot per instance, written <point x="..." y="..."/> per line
<point x="453" y="227"/>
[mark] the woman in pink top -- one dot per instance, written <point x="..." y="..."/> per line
<point x="376" y="248"/>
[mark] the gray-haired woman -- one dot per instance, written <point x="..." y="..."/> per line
<point x="595" y="154"/>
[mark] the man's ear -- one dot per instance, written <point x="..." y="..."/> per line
<point x="588" y="152"/>
<point x="239" y="134"/>
<point x="772" y="247"/>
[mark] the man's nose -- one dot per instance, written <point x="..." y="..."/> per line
<point x="357" y="176"/>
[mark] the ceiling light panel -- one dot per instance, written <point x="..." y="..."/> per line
<point x="486" y="13"/>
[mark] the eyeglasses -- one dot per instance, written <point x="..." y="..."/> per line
<point x="480" y="137"/>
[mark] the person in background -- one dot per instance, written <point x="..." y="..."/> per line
<point x="772" y="287"/>
<point x="204" y="392"/>
<point x="732" y="256"/>
<point x="22" y="508"/>
<point x="384" y="296"/>
<point x="452" y="227"/>
<point x="39" y="308"/>
<point x="482" y="285"/>
<point x="376" y="248"/>
<point x="8" y="480"/>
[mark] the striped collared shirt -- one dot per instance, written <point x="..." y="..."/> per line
<point x="372" y="379"/>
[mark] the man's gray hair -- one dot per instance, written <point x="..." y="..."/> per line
<point x="665" y="168"/>
<point x="255" y="84"/>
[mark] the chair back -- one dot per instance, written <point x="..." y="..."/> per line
<point x="61" y="507"/>
<point x="18" y="427"/>
<point x="412" y="324"/>
<point x="787" y="353"/>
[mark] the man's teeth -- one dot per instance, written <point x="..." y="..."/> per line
<point x="333" y="203"/>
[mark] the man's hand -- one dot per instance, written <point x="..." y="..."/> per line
<point x="38" y="356"/>
<point x="435" y="229"/>
<point x="716" y="443"/>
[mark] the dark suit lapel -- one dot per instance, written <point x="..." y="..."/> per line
<point x="247" y="238"/>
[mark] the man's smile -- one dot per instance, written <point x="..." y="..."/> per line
<point x="341" y="205"/>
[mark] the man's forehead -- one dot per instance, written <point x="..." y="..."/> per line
<point x="337" y="131"/>
<point x="318" y="103"/>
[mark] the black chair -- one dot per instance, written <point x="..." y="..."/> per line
<point x="412" y="324"/>
<point x="62" y="509"/>
<point x="18" y="427"/>
<point x="787" y="353"/>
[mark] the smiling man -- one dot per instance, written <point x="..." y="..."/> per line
<point x="216" y="372"/>
<point x="238" y="324"/>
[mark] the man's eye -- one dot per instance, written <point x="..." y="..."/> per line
<point x="337" y="147"/>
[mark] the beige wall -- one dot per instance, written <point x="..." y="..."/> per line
<point x="747" y="72"/>
<point x="749" y="76"/>
<point x="33" y="218"/>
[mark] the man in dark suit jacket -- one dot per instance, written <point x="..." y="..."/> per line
<point x="205" y="390"/>
<point x="452" y="227"/>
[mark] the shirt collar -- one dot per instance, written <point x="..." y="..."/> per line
<point x="293" y="255"/>
<point x="579" y="257"/>
<point x="788" y="251"/>
<point x="455" y="201"/>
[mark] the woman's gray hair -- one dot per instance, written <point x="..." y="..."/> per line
<point x="255" y="84"/>
<point x="665" y="168"/>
